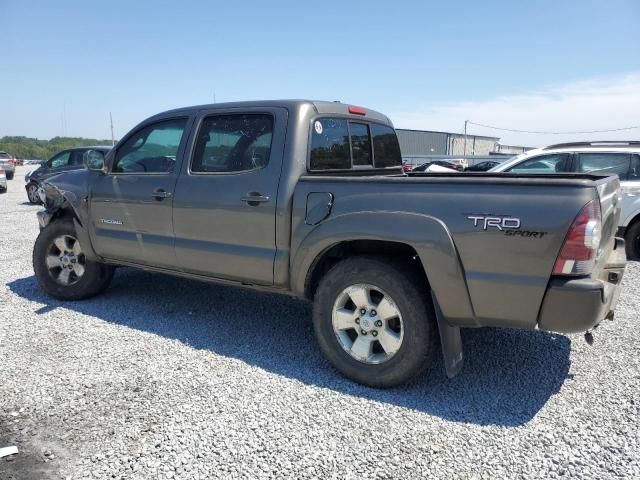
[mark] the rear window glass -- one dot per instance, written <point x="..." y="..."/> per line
<point x="386" y="148"/>
<point x="360" y="143"/>
<point x="605" y="163"/>
<point x="339" y="144"/>
<point x="5" y="155"/>
<point x="330" y="145"/>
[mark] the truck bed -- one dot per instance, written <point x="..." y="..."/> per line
<point x="487" y="276"/>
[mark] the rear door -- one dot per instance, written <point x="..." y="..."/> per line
<point x="627" y="167"/>
<point x="225" y="203"/>
<point x="131" y="206"/>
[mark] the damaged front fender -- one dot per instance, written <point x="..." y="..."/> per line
<point x="66" y="196"/>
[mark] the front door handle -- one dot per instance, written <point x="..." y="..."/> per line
<point x="254" y="198"/>
<point x="160" y="193"/>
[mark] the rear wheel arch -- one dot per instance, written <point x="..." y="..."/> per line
<point x="424" y="239"/>
<point x="397" y="252"/>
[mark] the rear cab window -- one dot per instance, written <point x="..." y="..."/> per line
<point x="345" y="144"/>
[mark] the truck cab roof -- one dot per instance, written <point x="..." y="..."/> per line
<point x="321" y="107"/>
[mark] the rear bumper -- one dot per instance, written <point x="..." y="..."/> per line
<point x="577" y="305"/>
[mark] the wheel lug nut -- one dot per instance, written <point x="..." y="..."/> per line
<point x="362" y="311"/>
<point x="378" y="323"/>
<point x="358" y="321"/>
<point x="373" y="313"/>
<point x="363" y="332"/>
<point x="374" y="333"/>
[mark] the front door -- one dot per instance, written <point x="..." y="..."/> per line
<point x="225" y="203"/>
<point x="131" y="206"/>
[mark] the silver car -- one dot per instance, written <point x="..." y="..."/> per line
<point x="3" y="181"/>
<point x="8" y="164"/>
<point x="620" y="158"/>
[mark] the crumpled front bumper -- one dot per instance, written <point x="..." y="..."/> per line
<point x="573" y="305"/>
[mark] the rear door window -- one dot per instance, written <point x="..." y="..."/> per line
<point x="605" y="164"/>
<point x="233" y="143"/>
<point x="552" y="163"/>
<point x="634" y="170"/>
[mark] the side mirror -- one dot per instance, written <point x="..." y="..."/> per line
<point x="93" y="160"/>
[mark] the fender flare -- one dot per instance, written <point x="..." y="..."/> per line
<point x="427" y="235"/>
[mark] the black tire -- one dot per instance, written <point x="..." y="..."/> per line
<point x="32" y="195"/>
<point x="632" y="241"/>
<point x="96" y="276"/>
<point x="9" y="175"/>
<point x="408" y="290"/>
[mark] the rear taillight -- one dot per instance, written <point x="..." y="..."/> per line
<point x="580" y="247"/>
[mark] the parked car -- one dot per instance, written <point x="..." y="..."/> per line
<point x="443" y="164"/>
<point x="309" y="199"/>
<point x="69" y="159"/>
<point x="3" y="181"/>
<point x="8" y="164"/>
<point x="606" y="158"/>
<point x="482" y="166"/>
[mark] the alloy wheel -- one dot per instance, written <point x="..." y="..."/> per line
<point x="65" y="260"/>
<point x="367" y="323"/>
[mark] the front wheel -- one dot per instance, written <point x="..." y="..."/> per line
<point x="9" y="175"/>
<point x="61" y="267"/>
<point x="374" y="321"/>
<point x="32" y="194"/>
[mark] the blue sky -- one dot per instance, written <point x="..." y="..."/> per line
<point x="67" y="64"/>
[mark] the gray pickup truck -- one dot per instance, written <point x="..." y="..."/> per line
<point x="309" y="199"/>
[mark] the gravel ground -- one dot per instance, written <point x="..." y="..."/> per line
<point x="165" y="378"/>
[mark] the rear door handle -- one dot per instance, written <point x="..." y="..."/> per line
<point x="160" y="193"/>
<point x="254" y="198"/>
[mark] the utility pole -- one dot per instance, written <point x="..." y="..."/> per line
<point x="465" y="137"/>
<point x="113" y="142"/>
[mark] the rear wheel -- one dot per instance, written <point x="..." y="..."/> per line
<point x="632" y="241"/>
<point x="9" y="175"/>
<point x="61" y="267"/>
<point x="32" y="194"/>
<point x="374" y="321"/>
